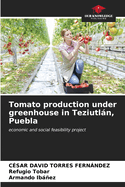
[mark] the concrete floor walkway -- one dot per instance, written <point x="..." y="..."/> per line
<point x="46" y="81"/>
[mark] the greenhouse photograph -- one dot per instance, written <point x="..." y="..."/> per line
<point x="62" y="56"/>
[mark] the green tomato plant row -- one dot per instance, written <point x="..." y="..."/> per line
<point x="22" y="33"/>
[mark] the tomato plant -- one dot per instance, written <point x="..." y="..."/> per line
<point x="23" y="33"/>
<point x="79" y="28"/>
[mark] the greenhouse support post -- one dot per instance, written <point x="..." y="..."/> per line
<point x="15" y="55"/>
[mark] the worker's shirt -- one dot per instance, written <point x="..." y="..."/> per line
<point x="67" y="66"/>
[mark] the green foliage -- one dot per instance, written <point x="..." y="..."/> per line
<point x="14" y="76"/>
<point x="28" y="28"/>
<point x="84" y="28"/>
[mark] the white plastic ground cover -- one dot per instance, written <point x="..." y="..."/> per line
<point x="46" y="79"/>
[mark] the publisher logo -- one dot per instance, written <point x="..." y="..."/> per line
<point x="99" y="14"/>
<point x="98" y="9"/>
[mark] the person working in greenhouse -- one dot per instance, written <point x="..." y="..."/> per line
<point x="72" y="67"/>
